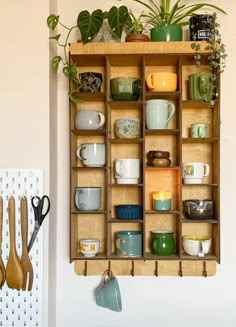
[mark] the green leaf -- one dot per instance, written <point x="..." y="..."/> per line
<point x="55" y="63"/>
<point x="89" y="25"/>
<point x="70" y="71"/>
<point x="117" y="18"/>
<point x="55" y="37"/>
<point x="52" y="21"/>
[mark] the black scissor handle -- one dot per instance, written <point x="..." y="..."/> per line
<point x="44" y="207"/>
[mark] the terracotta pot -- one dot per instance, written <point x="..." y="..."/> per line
<point x="137" y="37"/>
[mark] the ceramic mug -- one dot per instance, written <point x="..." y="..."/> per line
<point x="89" y="119"/>
<point x="158" y="113"/>
<point x="129" y="243"/>
<point x="198" y="130"/>
<point x="88" y="198"/>
<point x="196" y="245"/>
<point x="200" y="86"/>
<point x="162" y="242"/>
<point x="193" y="172"/>
<point x="162" y="200"/>
<point x="89" y="247"/>
<point x="162" y="82"/>
<point x="127" y="170"/>
<point x="92" y="154"/>
<point x="108" y="294"/>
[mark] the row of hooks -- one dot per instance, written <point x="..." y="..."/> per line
<point x="156" y="271"/>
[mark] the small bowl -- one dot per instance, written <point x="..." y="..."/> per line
<point x="127" y="128"/>
<point x="198" y="209"/>
<point x="128" y="211"/>
<point x="196" y="245"/>
<point x="159" y="162"/>
<point x="125" y="88"/>
<point x="89" y="247"/>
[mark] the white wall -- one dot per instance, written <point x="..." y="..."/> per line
<point x="24" y="143"/>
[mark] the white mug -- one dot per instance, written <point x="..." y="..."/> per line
<point x="193" y="172"/>
<point x="127" y="171"/>
<point x="92" y="154"/>
<point x="89" y="119"/>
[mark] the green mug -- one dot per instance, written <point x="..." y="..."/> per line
<point x="200" y="86"/>
<point x="198" y="130"/>
<point x="162" y="242"/>
<point x="129" y="243"/>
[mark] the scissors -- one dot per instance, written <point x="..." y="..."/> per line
<point x="41" y="207"/>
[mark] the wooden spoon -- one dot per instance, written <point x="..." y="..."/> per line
<point x="2" y="267"/>
<point x="14" y="271"/>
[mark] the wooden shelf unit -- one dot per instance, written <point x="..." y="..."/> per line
<point x="139" y="59"/>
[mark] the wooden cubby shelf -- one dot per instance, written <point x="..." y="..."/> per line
<point x="138" y="60"/>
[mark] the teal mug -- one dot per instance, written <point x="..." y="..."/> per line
<point x="198" y="130"/>
<point x="129" y="243"/>
<point x="200" y="86"/>
<point x="108" y="295"/>
<point x="162" y="242"/>
<point x="158" y="113"/>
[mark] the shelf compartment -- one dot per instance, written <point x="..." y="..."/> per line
<point x="171" y="96"/>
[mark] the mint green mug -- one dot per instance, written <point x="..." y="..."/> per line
<point x="129" y="243"/>
<point x="162" y="242"/>
<point x="200" y="86"/>
<point x="198" y="130"/>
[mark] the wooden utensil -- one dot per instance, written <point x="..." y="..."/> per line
<point x="14" y="271"/>
<point x="25" y="260"/>
<point x="2" y="267"/>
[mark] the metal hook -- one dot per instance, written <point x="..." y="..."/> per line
<point x="109" y="266"/>
<point x="85" y="268"/>
<point x="132" y="269"/>
<point x="180" y="269"/>
<point x="204" y="273"/>
<point x="156" y="269"/>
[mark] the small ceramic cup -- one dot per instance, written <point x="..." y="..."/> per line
<point x="162" y="200"/>
<point x="162" y="242"/>
<point x="88" y="198"/>
<point x="196" y="245"/>
<point x="89" y="247"/>
<point x="108" y="294"/>
<point x="127" y="128"/>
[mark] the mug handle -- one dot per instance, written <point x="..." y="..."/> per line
<point x="206" y="170"/>
<point x="78" y="152"/>
<point x="172" y="107"/>
<point x="107" y="275"/>
<point x="118" y="168"/>
<point x="101" y="118"/>
<point x="118" y="241"/>
<point x="205" y="247"/>
<point x="155" y="241"/>
<point x="150" y="81"/>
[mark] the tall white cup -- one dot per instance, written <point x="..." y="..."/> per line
<point x="193" y="172"/>
<point x="127" y="171"/>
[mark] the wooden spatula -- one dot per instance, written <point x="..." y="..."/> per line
<point x="14" y="271"/>
<point x="25" y="260"/>
<point x="2" y="267"/>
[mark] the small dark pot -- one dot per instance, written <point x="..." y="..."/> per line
<point x="199" y="27"/>
<point x="166" y="33"/>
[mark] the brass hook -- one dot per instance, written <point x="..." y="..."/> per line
<point x="180" y="269"/>
<point x="85" y="268"/>
<point x="109" y="266"/>
<point x="204" y="273"/>
<point x="132" y="269"/>
<point x="156" y="269"/>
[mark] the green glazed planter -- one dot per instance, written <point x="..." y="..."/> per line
<point x="166" y="33"/>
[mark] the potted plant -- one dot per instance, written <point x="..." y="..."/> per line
<point x="216" y="58"/>
<point x="167" y="21"/>
<point x="89" y="26"/>
<point x="136" y="29"/>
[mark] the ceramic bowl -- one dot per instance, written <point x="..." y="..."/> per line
<point x="127" y="128"/>
<point x="89" y="247"/>
<point x="125" y="88"/>
<point x="198" y="209"/>
<point x="128" y="211"/>
<point x="196" y="245"/>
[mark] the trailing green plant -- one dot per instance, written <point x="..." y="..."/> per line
<point x="160" y="12"/>
<point x="217" y="49"/>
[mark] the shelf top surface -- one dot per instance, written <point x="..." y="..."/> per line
<point x="176" y="47"/>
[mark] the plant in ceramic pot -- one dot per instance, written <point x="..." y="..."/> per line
<point x="167" y="21"/>
<point x="136" y="29"/>
<point x="217" y="57"/>
<point x="89" y="25"/>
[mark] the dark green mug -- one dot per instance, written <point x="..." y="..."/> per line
<point x="162" y="242"/>
<point x="200" y="86"/>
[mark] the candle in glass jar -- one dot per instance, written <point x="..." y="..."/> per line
<point x="162" y="200"/>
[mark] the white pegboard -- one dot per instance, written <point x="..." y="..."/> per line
<point x="22" y="308"/>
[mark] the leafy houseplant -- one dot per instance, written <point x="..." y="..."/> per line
<point x="88" y="25"/>
<point x="136" y="28"/>
<point x="162" y="16"/>
<point x="217" y="49"/>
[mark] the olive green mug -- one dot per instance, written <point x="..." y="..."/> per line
<point x="162" y="242"/>
<point x="200" y="86"/>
